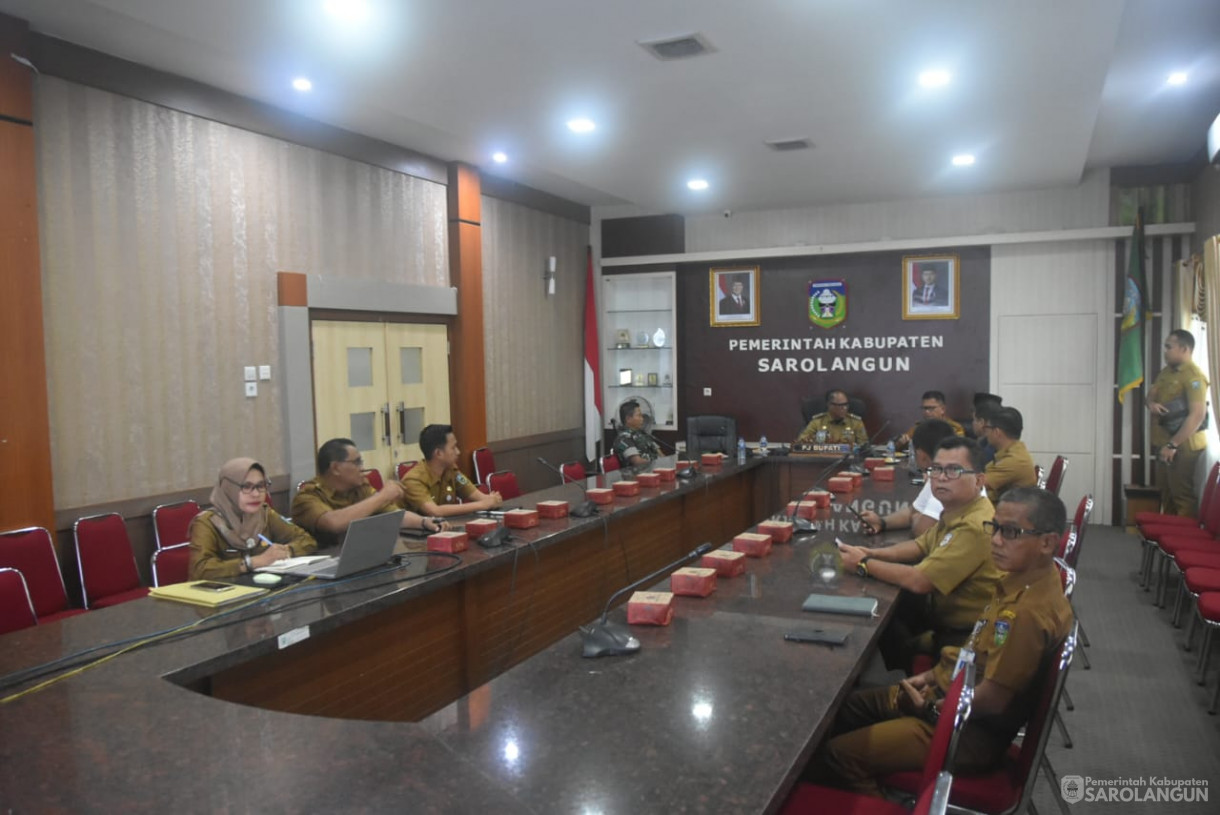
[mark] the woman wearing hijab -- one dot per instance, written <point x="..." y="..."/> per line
<point x="241" y="533"/>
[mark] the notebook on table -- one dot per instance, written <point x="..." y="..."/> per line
<point x="836" y="604"/>
<point x="369" y="543"/>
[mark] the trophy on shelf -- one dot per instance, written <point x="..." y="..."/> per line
<point x="622" y="338"/>
<point x="652" y="380"/>
<point x="642" y="340"/>
<point x="668" y="381"/>
<point x="639" y="380"/>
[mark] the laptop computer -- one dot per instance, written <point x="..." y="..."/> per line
<point x="369" y="543"/>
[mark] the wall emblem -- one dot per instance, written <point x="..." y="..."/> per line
<point x="827" y="302"/>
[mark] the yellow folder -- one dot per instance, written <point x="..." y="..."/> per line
<point x="210" y="593"/>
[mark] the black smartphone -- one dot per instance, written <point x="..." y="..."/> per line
<point x="210" y="585"/>
<point x="825" y="636"/>
<point x="860" y="517"/>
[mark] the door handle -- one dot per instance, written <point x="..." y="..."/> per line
<point x="402" y="422"/>
<point x="385" y="417"/>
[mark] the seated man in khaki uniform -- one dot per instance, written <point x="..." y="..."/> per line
<point x="1012" y="466"/>
<point x="435" y="486"/>
<point x="1178" y="402"/>
<point x="884" y="730"/>
<point x="947" y="571"/>
<point x="841" y="427"/>
<point x="326" y="505"/>
<point x="932" y="405"/>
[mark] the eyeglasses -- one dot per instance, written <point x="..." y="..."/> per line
<point x="249" y="488"/>
<point x="1008" y="532"/>
<point x="358" y="461"/>
<point x="949" y="471"/>
<point x="928" y="408"/>
<point x="838" y="404"/>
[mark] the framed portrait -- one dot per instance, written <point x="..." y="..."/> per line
<point x="733" y="296"/>
<point x="931" y="287"/>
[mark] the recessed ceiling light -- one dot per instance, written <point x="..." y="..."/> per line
<point x="348" y="11"/>
<point x="963" y="160"/>
<point x="302" y="84"/>
<point x="581" y="125"/>
<point x="697" y="184"/>
<point x="934" y="79"/>
<point x="1176" y="78"/>
<point x="499" y="157"/>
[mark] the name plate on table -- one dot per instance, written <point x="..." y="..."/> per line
<point x="809" y="449"/>
<point x="834" y="604"/>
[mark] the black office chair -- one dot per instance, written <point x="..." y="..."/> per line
<point x="711" y="434"/>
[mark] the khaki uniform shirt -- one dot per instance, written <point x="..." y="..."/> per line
<point x="848" y="430"/>
<point x="1014" y="640"/>
<point x="957" y="428"/>
<point x="1012" y="467"/>
<point x="957" y="559"/>
<point x="213" y="557"/>
<point x="315" y="499"/>
<point x="1187" y="382"/>
<point x="421" y="487"/>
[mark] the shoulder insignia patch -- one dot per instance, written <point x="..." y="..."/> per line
<point x="461" y="479"/>
<point x="1001" y="632"/>
<point x="1195" y="384"/>
<point x="945" y="540"/>
<point x="1007" y="614"/>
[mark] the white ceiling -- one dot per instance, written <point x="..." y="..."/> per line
<point x="1042" y="89"/>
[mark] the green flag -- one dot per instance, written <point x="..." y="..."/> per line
<point x="1131" y="343"/>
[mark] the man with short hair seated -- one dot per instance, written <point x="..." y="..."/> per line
<point x="436" y="486"/>
<point x="1013" y="466"/>
<point x="632" y="445"/>
<point x="921" y="514"/>
<point x="985" y="406"/>
<point x="932" y="403"/>
<point x="840" y="426"/>
<point x="879" y="731"/>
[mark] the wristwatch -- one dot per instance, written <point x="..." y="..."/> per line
<point x="1171" y="446"/>
<point x="862" y="566"/>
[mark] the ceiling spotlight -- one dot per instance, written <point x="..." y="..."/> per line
<point x="581" y="126"/>
<point x="302" y="84"/>
<point x="934" y="79"/>
<point x="499" y="157"/>
<point x="963" y="160"/>
<point x="697" y="184"/>
<point x="1176" y="78"/>
<point x="348" y="11"/>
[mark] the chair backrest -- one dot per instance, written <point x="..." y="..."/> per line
<point x="104" y="557"/>
<point x="1081" y="525"/>
<point x="16" y="607"/>
<point x="171" y="522"/>
<point x="573" y="471"/>
<point x="484" y="464"/>
<point x="1040" y="474"/>
<point x="1211" y="517"/>
<point x="171" y="565"/>
<point x="934" y="800"/>
<point x="710" y="434"/>
<point x="1066" y="543"/>
<point x="404" y="467"/>
<point x="953" y="714"/>
<point x="1055" y="480"/>
<point x="1038" y="729"/>
<point x="31" y="552"/>
<point x="610" y="463"/>
<point x="1067" y="577"/>
<point x="505" y="483"/>
<point x="374" y="478"/>
<point x="1209" y="490"/>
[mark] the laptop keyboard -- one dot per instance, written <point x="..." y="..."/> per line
<point x="328" y="565"/>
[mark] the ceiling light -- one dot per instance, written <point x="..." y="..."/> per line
<point x="499" y="157"/>
<point x="697" y="184"/>
<point x="934" y="79"/>
<point x="1176" y="78"/>
<point x="348" y="11"/>
<point x="581" y="126"/>
<point x="963" y="160"/>
<point x="302" y="84"/>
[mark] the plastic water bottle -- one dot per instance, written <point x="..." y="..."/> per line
<point x="889" y="450"/>
<point x="741" y="450"/>
<point x="762" y="446"/>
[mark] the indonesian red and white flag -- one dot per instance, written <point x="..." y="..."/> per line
<point x="593" y="377"/>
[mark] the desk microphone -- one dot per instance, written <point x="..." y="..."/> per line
<point x="685" y="472"/>
<point x="586" y="509"/>
<point x="606" y="639"/>
<point x="804" y="524"/>
<point x="867" y="445"/>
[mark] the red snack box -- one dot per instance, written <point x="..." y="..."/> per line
<point x="752" y="544"/>
<point x="857" y="479"/>
<point x="451" y="542"/>
<point x="726" y="564"/>
<point x="840" y="484"/>
<point x="693" y="581"/>
<point x="871" y="464"/>
<point x="780" y="531"/>
<point x="600" y="495"/>
<point x="682" y="465"/>
<point x="649" y="479"/>
<point x="883" y="474"/>
<point x="481" y="526"/>
<point x="666" y="473"/>
<point x="650" y="608"/>
<point x="552" y="509"/>
<point x="626" y="487"/>
<point x="521" y="518"/>
<point x="802" y="509"/>
<point x="819" y="497"/>
<point x="712" y="459"/>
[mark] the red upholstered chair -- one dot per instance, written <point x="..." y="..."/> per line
<point x="810" y="798"/>
<point x="171" y="565"/>
<point x="1179" y="547"/>
<point x="31" y="552"/>
<point x="374" y="478"/>
<point x="108" y="574"/>
<point x="1068" y="541"/>
<point x="1195" y="581"/>
<point x="1209" y="613"/>
<point x="1040" y="474"/>
<point x="610" y="463"/>
<point x="484" y="465"/>
<point x="505" y="483"/>
<point x="404" y="467"/>
<point x="16" y="607"/>
<point x="1154" y="518"/>
<point x="1071" y="556"/>
<point x="171" y="522"/>
<point x="573" y="471"/>
<point x="1205" y="527"/>
<point x="1055" y="479"/>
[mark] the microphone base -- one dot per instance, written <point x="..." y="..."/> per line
<point x="586" y="509"/>
<point x="687" y="473"/>
<point x="606" y="639"/>
<point x="801" y="525"/>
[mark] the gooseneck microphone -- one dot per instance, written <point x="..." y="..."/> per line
<point x="863" y="448"/>
<point x="586" y="509"/>
<point x="804" y="524"/>
<point x="606" y="639"/>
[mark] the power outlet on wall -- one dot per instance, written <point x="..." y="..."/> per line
<point x="707" y="391"/>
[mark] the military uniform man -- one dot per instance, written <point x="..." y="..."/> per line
<point x="932" y="405"/>
<point x="1178" y="402"/>
<point x="841" y="427"/>
<point x="1012" y="466"/>
<point x="436" y="486"/>
<point x="632" y="445"/>
<point x="886" y="730"/>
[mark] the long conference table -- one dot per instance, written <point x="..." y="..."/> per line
<point x="437" y="687"/>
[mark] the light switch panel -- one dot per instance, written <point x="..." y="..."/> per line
<point x="707" y="391"/>
<point x="251" y="389"/>
<point x="251" y="373"/>
<point x="264" y="372"/>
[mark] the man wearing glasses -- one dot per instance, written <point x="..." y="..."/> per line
<point x="947" y="571"/>
<point x="932" y="406"/>
<point x="1012" y="466"/>
<point x="326" y="505"/>
<point x="1018" y="633"/>
<point x="836" y="425"/>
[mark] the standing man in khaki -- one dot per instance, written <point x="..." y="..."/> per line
<point x="947" y="571"/>
<point x="1178" y="402"/>
<point x="436" y="487"/>
<point x="1012" y="466"/>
